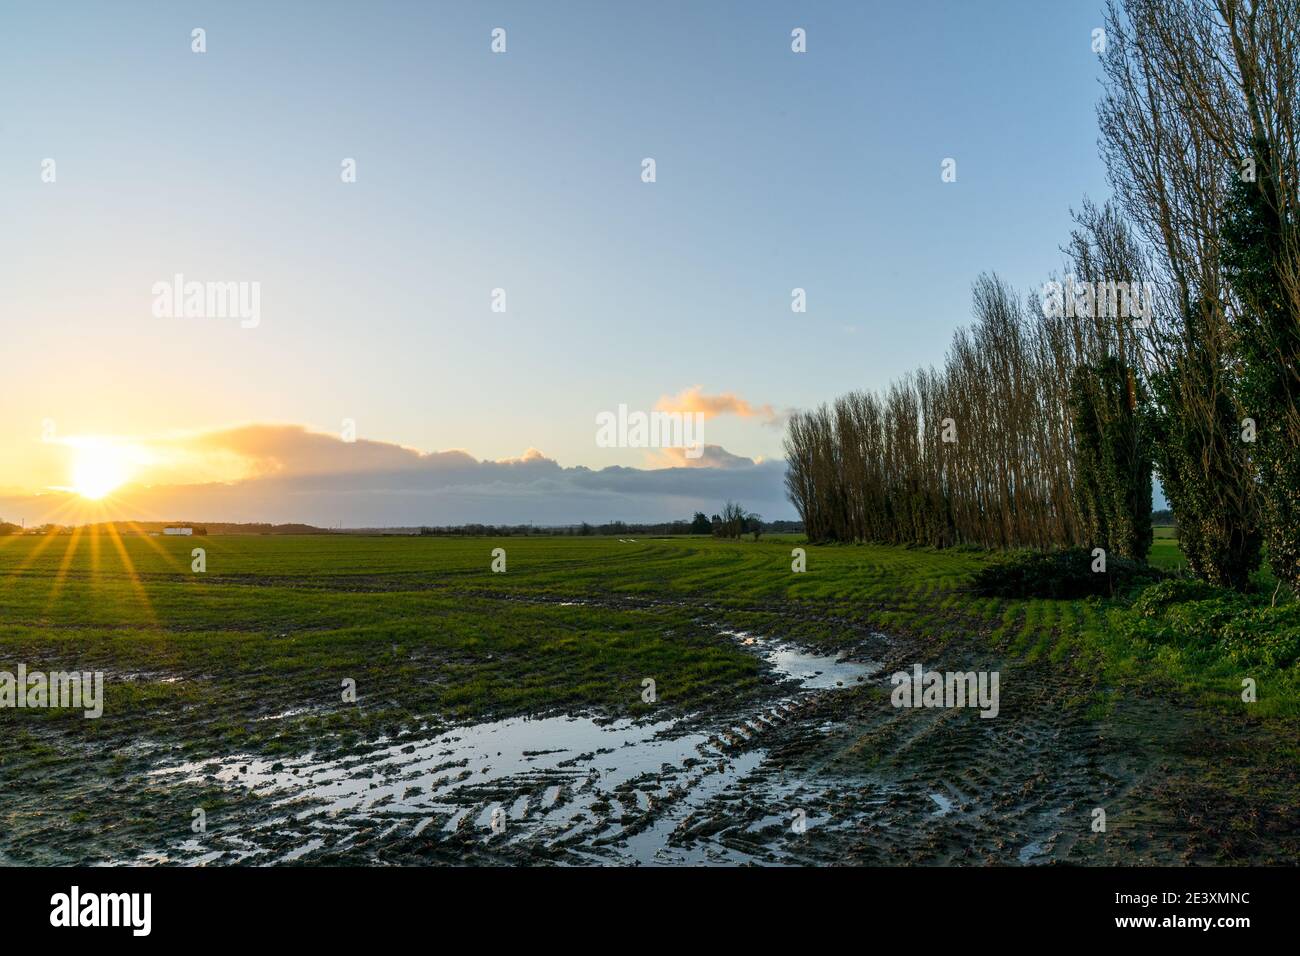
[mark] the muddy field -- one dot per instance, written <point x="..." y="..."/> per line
<point x="824" y="771"/>
<point x="803" y="760"/>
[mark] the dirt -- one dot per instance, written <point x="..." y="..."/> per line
<point x="823" y="770"/>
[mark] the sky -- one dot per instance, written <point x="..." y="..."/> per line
<point x="519" y="171"/>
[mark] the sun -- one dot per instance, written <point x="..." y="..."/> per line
<point x="99" y="469"/>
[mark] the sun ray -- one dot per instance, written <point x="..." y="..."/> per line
<point x="89" y="513"/>
<point x="94" y="560"/>
<point x="35" y="553"/>
<point x="69" y="553"/>
<point x="136" y="584"/>
<point x="65" y="506"/>
<point x="169" y="557"/>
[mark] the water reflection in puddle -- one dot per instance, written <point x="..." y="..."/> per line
<point x="613" y="792"/>
<point x="813" y="671"/>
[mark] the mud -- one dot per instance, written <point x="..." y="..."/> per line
<point x="822" y="770"/>
<point x="825" y="771"/>
<point x="562" y="787"/>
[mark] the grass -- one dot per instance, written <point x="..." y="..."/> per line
<point x="424" y="626"/>
<point x="250" y="657"/>
<point x="1165" y="553"/>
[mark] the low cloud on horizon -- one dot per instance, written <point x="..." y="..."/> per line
<point x="288" y="474"/>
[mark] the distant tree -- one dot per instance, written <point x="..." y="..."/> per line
<point x="700" y="524"/>
<point x="732" y="523"/>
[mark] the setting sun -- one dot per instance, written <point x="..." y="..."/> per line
<point x="98" y="469"/>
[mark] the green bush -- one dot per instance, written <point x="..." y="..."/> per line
<point x="1153" y="601"/>
<point x="1268" y="635"/>
<point x="1065" y="574"/>
<point x="1221" y="623"/>
<point x="1161" y="633"/>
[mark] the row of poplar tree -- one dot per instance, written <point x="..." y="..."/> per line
<point x="1043" y="428"/>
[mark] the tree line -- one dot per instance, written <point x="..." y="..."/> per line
<point x="1044" y="424"/>
<point x="993" y="448"/>
<point x="732" y="522"/>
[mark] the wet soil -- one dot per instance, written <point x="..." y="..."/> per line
<point x="821" y="770"/>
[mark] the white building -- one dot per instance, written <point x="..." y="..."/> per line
<point x="178" y="530"/>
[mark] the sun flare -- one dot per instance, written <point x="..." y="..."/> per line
<point x="99" y="469"/>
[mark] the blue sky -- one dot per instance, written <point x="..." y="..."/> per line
<point x="519" y="171"/>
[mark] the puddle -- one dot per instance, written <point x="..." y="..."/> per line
<point x="132" y="677"/>
<point x="945" y="804"/>
<point x="285" y="715"/>
<point x="614" y="792"/>
<point x="1029" y="851"/>
<point x="813" y="671"/>
<point x="555" y="778"/>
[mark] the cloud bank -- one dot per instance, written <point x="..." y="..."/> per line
<point x="290" y="474"/>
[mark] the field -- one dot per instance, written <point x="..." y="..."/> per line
<point x="506" y="717"/>
<point x="1164" y="550"/>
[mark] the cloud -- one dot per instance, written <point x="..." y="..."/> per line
<point x="290" y="474"/>
<point x="532" y="454"/>
<point x="289" y="450"/>
<point x="712" y="456"/>
<point x="693" y="399"/>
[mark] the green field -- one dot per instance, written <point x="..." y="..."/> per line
<point x="1164" y="550"/>
<point x="285" y="615"/>
<point x="202" y="665"/>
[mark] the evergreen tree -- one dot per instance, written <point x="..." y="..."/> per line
<point x="1256" y="241"/>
